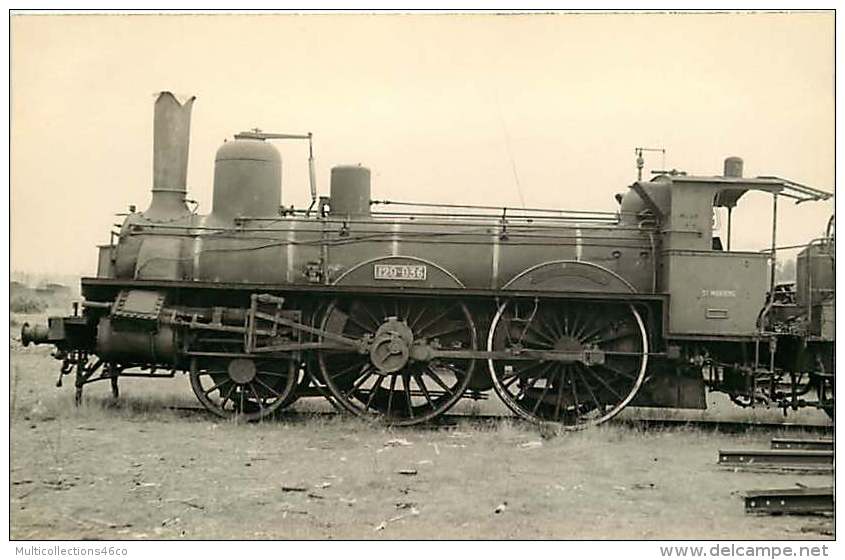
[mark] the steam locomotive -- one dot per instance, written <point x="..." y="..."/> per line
<point x="396" y="311"/>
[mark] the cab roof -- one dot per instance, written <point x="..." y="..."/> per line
<point x="730" y="189"/>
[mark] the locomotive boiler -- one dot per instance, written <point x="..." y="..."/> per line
<point x="395" y="311"/>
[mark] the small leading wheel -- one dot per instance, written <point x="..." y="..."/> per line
<point x="243" y="388"/>
<point x="574" y="363"/>
<point x="395" y="375"/>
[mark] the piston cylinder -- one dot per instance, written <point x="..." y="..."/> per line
<point x="155" y="346"/>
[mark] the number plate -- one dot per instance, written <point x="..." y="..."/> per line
<point x="399" y="271"/>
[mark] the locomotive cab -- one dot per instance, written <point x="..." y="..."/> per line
<point x="714" y="291"/>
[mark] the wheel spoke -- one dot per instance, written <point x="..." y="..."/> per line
<point x="518" y="375"/>
<point x="372" y="317"/>
<point x="228" y="396"/>
<point x="421" y="331"/>
<point x="413" y="324"/>
<point x="272" y="373"/>
<point x="557" y="327"/>
<point x="217" y="386"/>
<point x="366" y="329"/>
<point x="346" y="370"/>
<point x="454" y="368"/>
<point x="258" y="379"/>
<point x="622" y="334"/>
<point x="587" y="385"/>
<point x="257" y="398"/>
<point x="618" y="372"/>
<point x="559" y="391"/>
<point x="517" y="372"/>
<point x="374" y="390"/>
<point x="584" y="324"/>
<point x="511" y="382"/>
<point x="447" y="331"/>
<point x="367" y="373"/>
<point x="419" y="379"/>
<point x="532" y="380"/>
<point x="542" y="396"/>
<point x="604" y="383"/>
<point x="406" y="383"/>
<point x="506" y="326"/>
<point x="572" y="385"/>
<point x="534" y="342"/>
<point x="574" y="325"/>
<point x="529" y="383"/>
<point x="536" y="330"/>
<point x="593" y="333"/>
<point x="437" y="379"/>
<point x="390" y="393"/>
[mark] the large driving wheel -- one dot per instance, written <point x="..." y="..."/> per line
<point x="393" y="376"/>
<point x="575" y="363"/>
<point x="243" y="388"/>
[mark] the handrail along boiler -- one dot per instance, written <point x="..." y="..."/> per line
<point x="569" y="316"/>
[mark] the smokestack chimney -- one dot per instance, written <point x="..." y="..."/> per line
<point x="171" y="136"/>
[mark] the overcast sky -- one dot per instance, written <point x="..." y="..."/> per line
<point x="442" y="108"/>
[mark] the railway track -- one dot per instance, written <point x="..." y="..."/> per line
<point x="731" y="426"/>
<point x="790" y="501"/>
<point x="822" y="444"/>
<point x="804" y="460"/>
<point x="787" y="455"/>
<point x="720" y="426"/>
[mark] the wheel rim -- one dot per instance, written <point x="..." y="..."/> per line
<point x="231" y="389"/>
<point x="386" y="384"/>
<point x="571" y="393"/>
<point x="301" y="383"/>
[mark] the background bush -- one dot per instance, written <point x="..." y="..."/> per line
<point x="27" y="304"/>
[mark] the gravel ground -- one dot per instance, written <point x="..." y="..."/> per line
<point x="136" y="469"/>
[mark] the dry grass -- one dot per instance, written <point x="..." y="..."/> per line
<point x="138" y="469"/>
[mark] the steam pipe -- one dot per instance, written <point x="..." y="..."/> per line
<point x="773" y="250"/>
<point x="730" y="210"/>
<point x="257" y="134"/>
<point x="774" y="243"/>
<point x="312" y="173"/>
